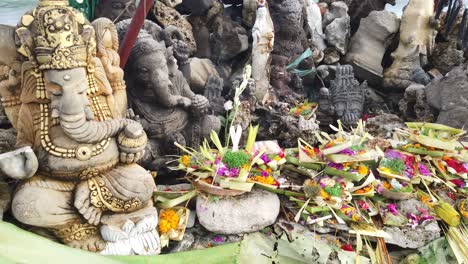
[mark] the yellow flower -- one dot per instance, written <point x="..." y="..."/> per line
<point x="185" y="160"/>
<point x="384" y="169"/>
<point x="324" y="194"/>
<point x="363" y="170"/>
<point x="265" y="180"/>
<point x="347" y="164"/>
<point x="168" y="220"/>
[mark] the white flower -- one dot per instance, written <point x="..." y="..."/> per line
<point x="228" y="105"/>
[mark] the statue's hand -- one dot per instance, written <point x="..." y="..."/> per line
<point x="82" y="202"/>
<point x="200" y="102"/>
<point x="129" y="158"/>
<point x="132" y="143"/>
<point x="19" y="164"/>
<point x="181" y="51"/>
<point x="184" y="101"/>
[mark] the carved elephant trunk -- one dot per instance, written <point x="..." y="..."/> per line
<point x="78" y="128"/>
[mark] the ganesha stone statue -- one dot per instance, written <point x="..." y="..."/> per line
<point x="77" y="168"/>
<point x="160" y="94"/>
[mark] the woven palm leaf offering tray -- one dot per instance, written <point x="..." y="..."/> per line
<point x="231" y="171"/>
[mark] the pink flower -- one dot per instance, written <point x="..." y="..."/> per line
<point x="423" y="169"/>
<point x="392" y="208"/>
<point x="459" y="183"/>
<point x="218" y="239"/>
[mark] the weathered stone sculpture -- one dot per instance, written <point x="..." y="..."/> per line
<point x="115" y="10"/>
<point x="345" y="98"/>
<point x="263" y="39"/>
<point x="417" y="36"/>
<point x="369" y="44"/>
<point x="161" y="96"/>
<point x="77" y="171"/>
<point x="414" y="106"/>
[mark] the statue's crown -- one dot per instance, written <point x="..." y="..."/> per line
<point x="56" y="36"/>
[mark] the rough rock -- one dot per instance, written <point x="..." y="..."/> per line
<point x="197" y="7"/>
<point x="201" y="70"/>
<point x="383" y="125"/>
<point x="288" y="20"/>
<point x="449" y="95"/>
<point x="246" y="213"/>
<point x="172" y="3"/>
<point x="374" y="103"/>
<point x="7" y="143"/>
<point x="411" y="206"/>
<point x="228" y="39"/>
<point x="338" y="33"/>
<point x="359" y="9"/>
<point x="332" y="56"/>
<point x="168" y="16"/>
<point x="369" y="44"/>
<point x="407" y="237"/>
<point x="414" y="106"/>
<point x="249" y="9"/>
<point x="336" y="10"/>
<point x="445" y="57"/>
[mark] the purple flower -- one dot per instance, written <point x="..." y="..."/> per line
<point x="413" y="220"/>
<point x="423" y="169"/>
<point x="218" y="239"/>
<point x="391" y="154"/>
<point x="392" y="208"/>
<point x="348" y="152"/>
<point x="380" y="188"/>
<point x="337" y="166"/>
<point x="264" y="174"/>
<point x="232" y="172"/>
<point x="265" y="158"/>
<point x="222" y="169"/>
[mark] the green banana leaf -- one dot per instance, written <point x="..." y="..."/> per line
<point x="20" y="246"/>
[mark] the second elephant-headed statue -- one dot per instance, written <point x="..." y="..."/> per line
<point x="160" y="94"/>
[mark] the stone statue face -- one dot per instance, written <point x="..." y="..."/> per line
<point x="67" y="91"/>
<point x="151" y="70"/>
<point x="115" y="10"/>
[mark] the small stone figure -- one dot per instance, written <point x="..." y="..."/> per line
<point x="345" y="98"/>
<point x="414" y="106"/>
<point x="369" y="44"/>
<point x="159" y="93"/>
<point x="77" y="168"/>
<point x="107" y="51"/>
<point x="417" y="37"/>
<point x="115" y="10"/>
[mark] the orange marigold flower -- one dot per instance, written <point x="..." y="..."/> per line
<point x="363" y="170"/>
<point x="169" y="220"/>
<point x="387" y="185"/>
<point x="185" y="160"/>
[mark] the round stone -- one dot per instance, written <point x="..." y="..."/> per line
<point x="246" y="213"/>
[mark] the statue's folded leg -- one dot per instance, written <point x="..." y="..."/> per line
<point x="48" y="203"/>
<point x="129" y="220"/>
